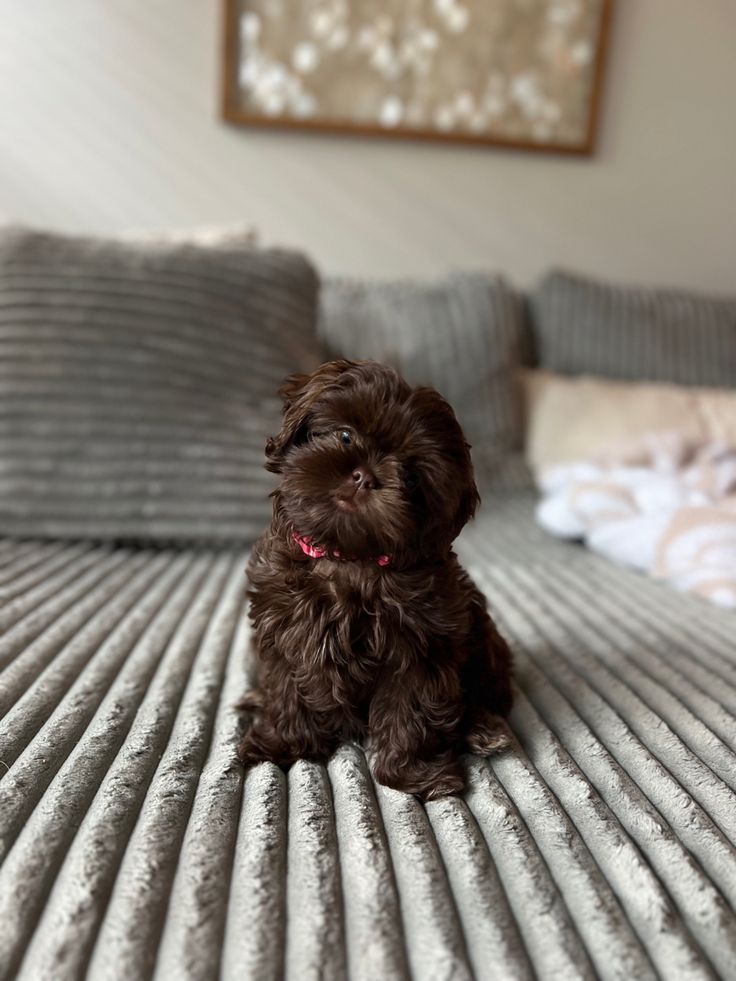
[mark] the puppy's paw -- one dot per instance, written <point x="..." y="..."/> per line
<point x="251" y="750"/>
<point x="490" y="734"/>
<point x="261" y="744"/>
<point x="426" y="780"/>
<point x="448" y="785"/>
<point x="264" y="743"/>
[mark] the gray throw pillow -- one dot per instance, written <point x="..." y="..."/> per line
<point x="138" y="384"/>
<point x="583" y="326"/>
<point x="463" y="334"/>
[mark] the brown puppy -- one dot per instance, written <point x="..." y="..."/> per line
<point x="364" y="622"/>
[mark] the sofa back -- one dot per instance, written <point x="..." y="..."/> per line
<point x="584" y="326"/>
<point x="138" y="382"/>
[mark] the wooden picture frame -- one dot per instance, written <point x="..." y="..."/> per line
<point x="244" y="18"/>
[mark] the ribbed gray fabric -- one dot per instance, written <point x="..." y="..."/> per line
<point x="583" y="326"/>
<point x="602" y="845"/>
<point x="464" y="335"/>
<point x="137" y="384"/>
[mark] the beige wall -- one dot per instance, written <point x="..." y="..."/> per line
<point x="108" y="121"/>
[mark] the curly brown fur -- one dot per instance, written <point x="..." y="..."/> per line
<point x="406" y="653"/>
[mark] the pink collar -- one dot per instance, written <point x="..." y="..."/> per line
<point x="317" y="552"/>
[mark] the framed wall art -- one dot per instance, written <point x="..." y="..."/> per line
<point x="517" y="73"/>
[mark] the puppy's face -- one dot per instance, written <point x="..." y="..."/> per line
<point x="369" y="465"/>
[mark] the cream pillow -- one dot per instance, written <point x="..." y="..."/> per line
<point x="578" y="417"/>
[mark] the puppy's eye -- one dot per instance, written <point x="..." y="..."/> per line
<point x="411" y="479"/>
<point x="345" y="437"/>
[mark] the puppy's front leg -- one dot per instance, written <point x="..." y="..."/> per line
<point x="414" y="722"/>
<point x="285" y="728"/>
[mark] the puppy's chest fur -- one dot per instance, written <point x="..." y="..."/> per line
<point x="354" y="620"/>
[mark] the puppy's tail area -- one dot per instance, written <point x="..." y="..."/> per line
<point x="251" y="701"/>
<point x="489" y="734"/>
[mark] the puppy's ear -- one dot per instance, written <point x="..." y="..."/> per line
<point x="452" y="494"/>
<point x="293" y="421"/>
<point x="462" y="506"/>
<point x="299" y="392"/>
<point x="469" y="496"/>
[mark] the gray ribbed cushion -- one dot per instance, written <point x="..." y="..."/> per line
<point x="463" y="334"/>
<point x="585" y="326"/>
<point x="137" y="384"/>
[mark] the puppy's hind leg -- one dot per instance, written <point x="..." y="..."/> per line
<point x="487" y="684"/>
<point x="488" y="734"/>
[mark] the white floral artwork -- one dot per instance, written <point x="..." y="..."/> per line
<point x="507" y="71"/>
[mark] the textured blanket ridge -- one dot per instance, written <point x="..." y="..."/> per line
<point x="602" y="845"/>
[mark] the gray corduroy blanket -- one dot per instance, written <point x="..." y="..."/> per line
<point x="601" y="845"/>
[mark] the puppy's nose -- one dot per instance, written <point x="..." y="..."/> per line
<point x="364" y="479"/>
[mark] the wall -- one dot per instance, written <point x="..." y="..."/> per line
<point x="109" y="121"/>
